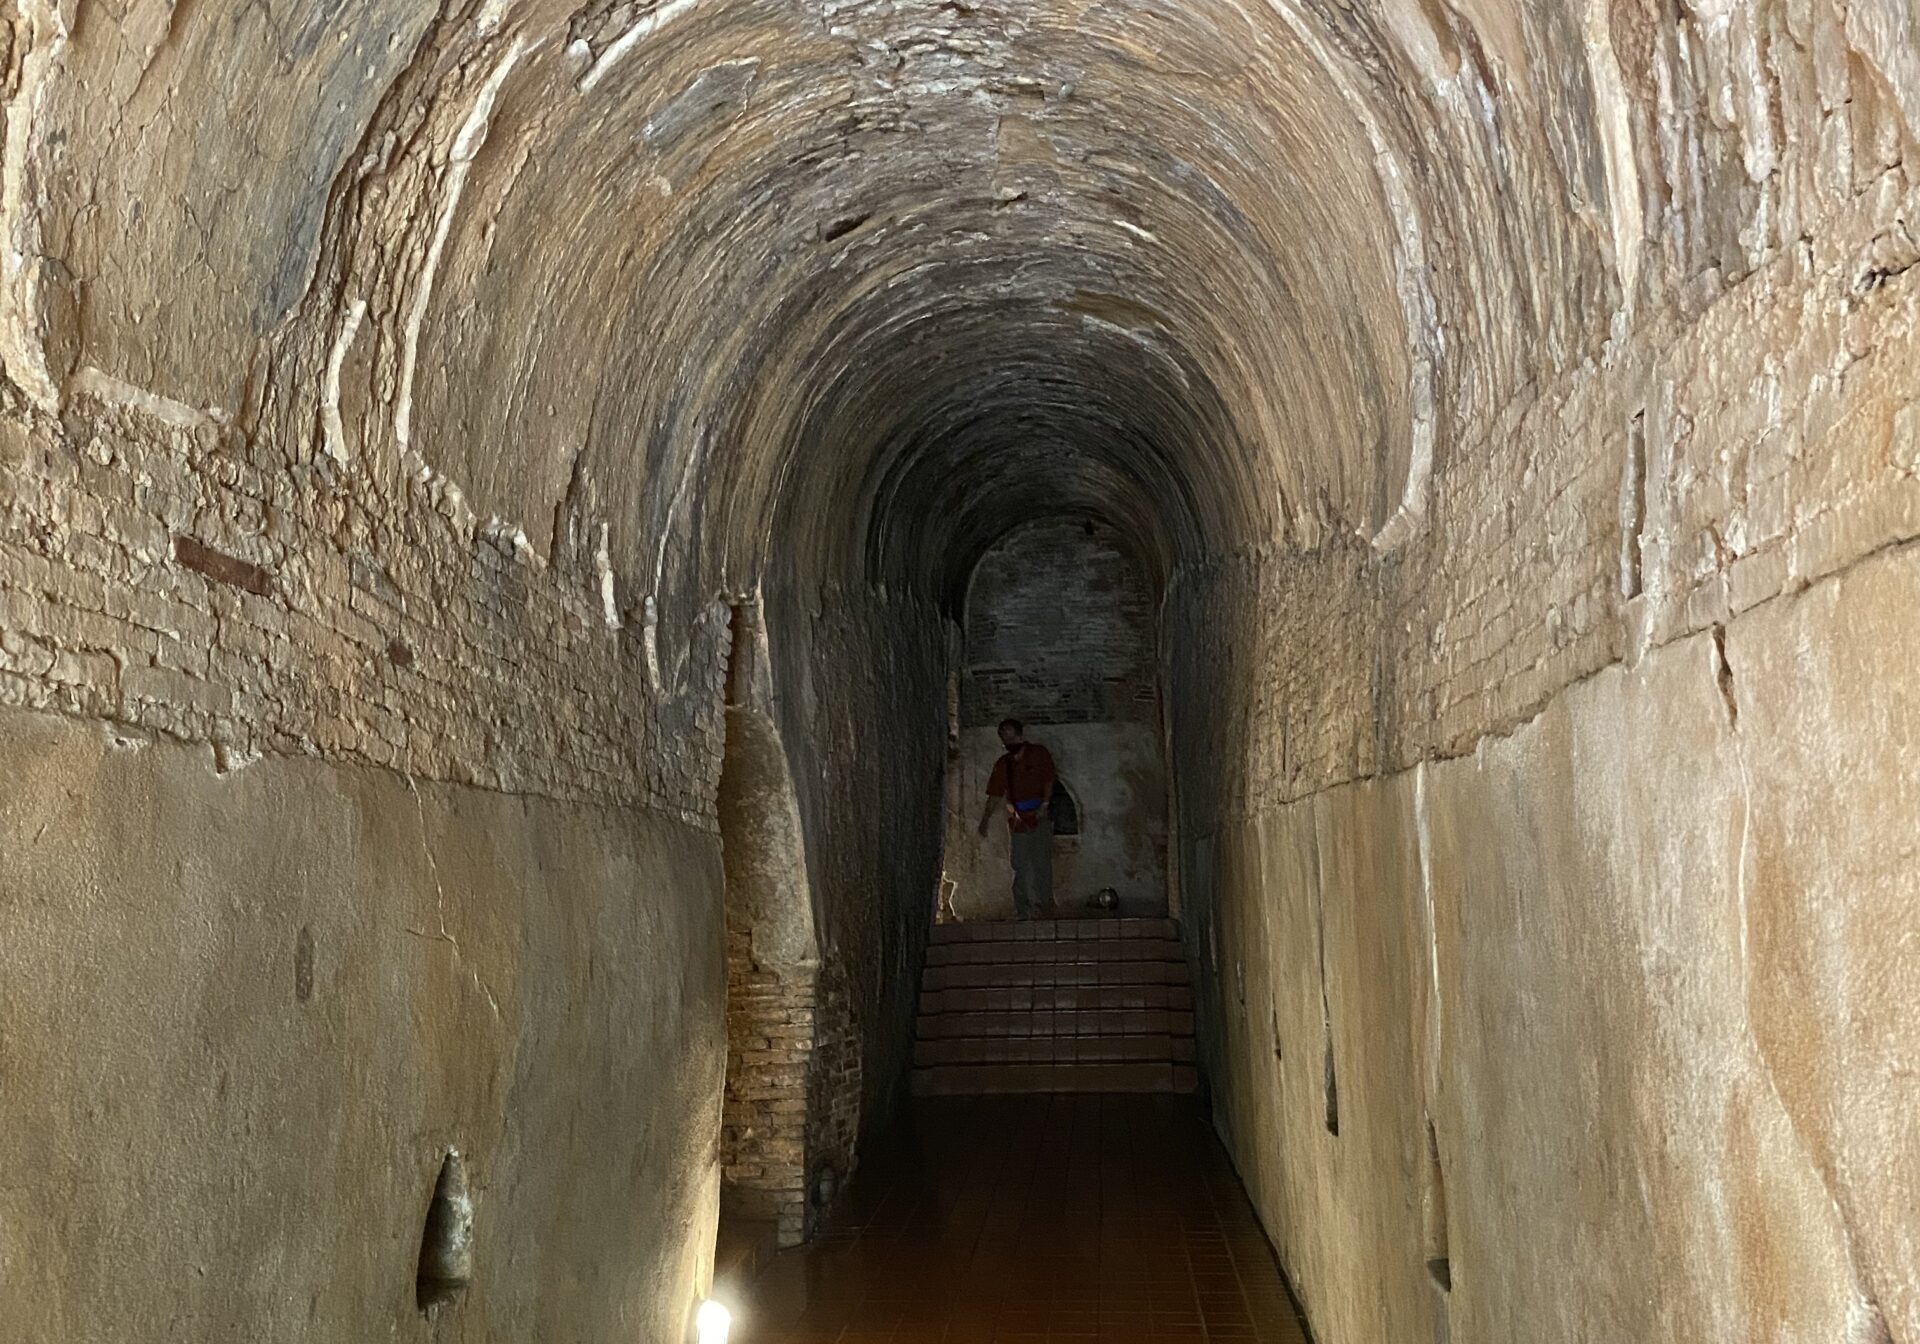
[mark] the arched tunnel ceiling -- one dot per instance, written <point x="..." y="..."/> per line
<point x="839" y="286"/>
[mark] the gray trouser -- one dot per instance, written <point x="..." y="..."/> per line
<point x="1033" y="870"/>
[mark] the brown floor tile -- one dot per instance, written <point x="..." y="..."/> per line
<point x="1045" y="1219"/>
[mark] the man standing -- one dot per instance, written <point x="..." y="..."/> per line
<point x="1022" y="782"/>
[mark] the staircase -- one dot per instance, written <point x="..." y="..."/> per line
<point x="1067" y="1005"/>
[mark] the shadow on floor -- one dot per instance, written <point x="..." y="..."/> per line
<point x="1034" y="1218"/>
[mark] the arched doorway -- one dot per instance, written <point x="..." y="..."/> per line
<point x="1059" y="632"/>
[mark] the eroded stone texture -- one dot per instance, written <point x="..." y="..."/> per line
<point x="1517" y="399"/>
<point x="773" y="954"/>
<point x="1546" y="951"/>
<point x="245" y="1018"/>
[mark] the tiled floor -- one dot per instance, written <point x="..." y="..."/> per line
<point x="1033" y="1218"/>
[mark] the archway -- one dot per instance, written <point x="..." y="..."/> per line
<point x="1060" y="631"/>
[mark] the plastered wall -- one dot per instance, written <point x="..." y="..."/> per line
<point x="245" y="1016"/>
<point x="329" y="849"/>
<point x="1573" y="837"/>
<point x="1641" y="972"/>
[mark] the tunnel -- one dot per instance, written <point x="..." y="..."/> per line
<point x="519" y="520"/>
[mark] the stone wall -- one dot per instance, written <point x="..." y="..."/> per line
<point x="247" y="1014"/>
<point x="344" y="830"/>
<point x="1542" y="847"/>
<point x="861" y="677"/>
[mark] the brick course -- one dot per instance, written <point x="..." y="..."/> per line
<point x="151" y="575"/>
<point x="1060" y="629"/>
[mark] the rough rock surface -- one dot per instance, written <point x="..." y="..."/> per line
<point x="245" y="1018"/>
<point x="1517" y="398"/>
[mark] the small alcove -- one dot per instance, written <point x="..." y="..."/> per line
<point x="1064" y="809"/>
<point x="446" y="1242"/>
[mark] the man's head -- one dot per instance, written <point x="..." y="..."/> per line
<point x="1012" y="733"/>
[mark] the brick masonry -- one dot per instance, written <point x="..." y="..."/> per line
<point x="1767" y="441"/>
<point x="770" y="1048"/>
<point x="160" y="576"/>
<point x="873" y="843"/>
<point x="793" y="1099"/>
<point x="1059" y="629"/>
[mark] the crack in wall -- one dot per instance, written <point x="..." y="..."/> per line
<point x="1330" y="1086"/>
<point x="1866" y="1322"/>
<point x="441" y="935"/>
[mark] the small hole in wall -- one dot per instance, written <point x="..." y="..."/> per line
<point x="843" y="226"/>
<point x="1333" y="1093"/>
<point x="303" y="965"/>
<point x="1433" y="1216"/>
<point x="1633" y="508"/>
<point x="1869" y="1322"/>
<point x="1064" y="811"/>
<point x="194" y="554"/>
<point x="446" y="1243"/>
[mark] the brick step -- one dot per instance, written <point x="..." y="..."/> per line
<point x="965" y="1080"/>
<point x="1057" y="1022"/>
<point x="1064" y="951"/>
<point x="1022" y="931"/>
<point x="1037" y="975"/>
<point x="1079" y="998"/>
<point x="1147" y="1049"/>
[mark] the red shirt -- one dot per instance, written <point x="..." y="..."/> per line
<point x="1024" y="777"/>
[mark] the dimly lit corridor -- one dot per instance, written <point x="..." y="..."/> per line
<point x="523" y="524"/>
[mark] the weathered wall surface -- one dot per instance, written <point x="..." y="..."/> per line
<point x="365" y="834"/>
<point x="407" y="390"/>
<point x="770" y="1055"/>
<point x="773" y="952"/>
<point x="245" y="1015"/>
<point x="1604" y="940"/>
<point x="1606" y="960"/>
<point x="862" y="678"/>
<point x="1060" y="628"/>
<point x="161" y="570"/>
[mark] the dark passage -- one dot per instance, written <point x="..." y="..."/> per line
<point x="1034" y="1218"/>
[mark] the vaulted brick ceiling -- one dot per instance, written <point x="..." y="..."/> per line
<point x="855" y="282"/>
